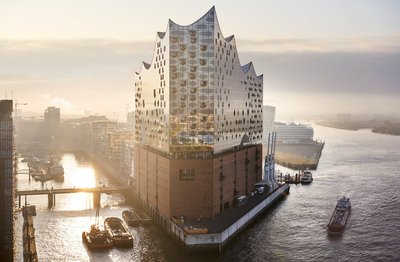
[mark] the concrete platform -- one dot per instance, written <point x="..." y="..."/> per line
<point x="224" y="227"/>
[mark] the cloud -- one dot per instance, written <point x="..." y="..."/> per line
<point x="97" y="75"/>
<point x="26" y="78"/>
<point x="355" y="44"/>
<point x="66" y="107"/>
<point x="324" y="73"/>
<point x="73" y="57"/>
<point x="77" y="45"/>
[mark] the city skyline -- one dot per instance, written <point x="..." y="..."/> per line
<point x="327" y="53"/>
<point x="204" y="154"/>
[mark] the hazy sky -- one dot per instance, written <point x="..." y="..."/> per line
<point x="317" y="56"/>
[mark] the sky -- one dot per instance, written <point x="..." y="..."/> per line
<point x="318" y="57"/>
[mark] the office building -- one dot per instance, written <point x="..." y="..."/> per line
<point x="52" y="126"/>
<point x="99" y="136"/>
<point x="7" y="181"/>
<point x="116" y="141"/>
<point x="268" y="121"/>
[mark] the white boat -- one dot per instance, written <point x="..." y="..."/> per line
<point x="306" y="178"/>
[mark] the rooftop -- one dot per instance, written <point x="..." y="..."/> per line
<point x="230" y="216"/>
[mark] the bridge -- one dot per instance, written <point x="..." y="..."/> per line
<point x="96" y="191"/>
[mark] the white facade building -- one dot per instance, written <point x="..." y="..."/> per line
<point x="116" y="141"/>
<point x="293" y="133"/>
<point x="100" y="130"/>
<point x="268" y="122"/>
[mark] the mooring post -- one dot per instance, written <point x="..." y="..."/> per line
<point x="50" y="197"/>
<point x="96" y="199"/>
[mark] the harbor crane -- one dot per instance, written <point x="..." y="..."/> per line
<point x="16" y="107"/>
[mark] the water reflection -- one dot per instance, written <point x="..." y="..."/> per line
<point x="292" y="230"/>
<point x="79" y="201"/>
<point x="59" y="229"/>
<point x="78" y="174"/>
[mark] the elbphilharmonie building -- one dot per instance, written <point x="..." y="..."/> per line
<point x="198" y="122"/>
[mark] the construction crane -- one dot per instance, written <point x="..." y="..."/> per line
<point x="16" y="107"/>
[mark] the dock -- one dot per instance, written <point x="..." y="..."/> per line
<point x="28" y="234"/>
<point x="212" y="235"/>
<point x="226" y="226"/>
<point x="293" y="179"/>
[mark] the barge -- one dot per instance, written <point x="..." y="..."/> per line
<point x="118" y="232"/>
<point x="340" y="215"/>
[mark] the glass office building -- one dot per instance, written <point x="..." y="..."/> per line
<point x="198" y="123"/>
<point x="7" y="181"/>
<point x="195" y="96"/>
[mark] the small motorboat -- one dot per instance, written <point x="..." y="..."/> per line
<point x="306" y="178"/>
<point x="131" y="218"/>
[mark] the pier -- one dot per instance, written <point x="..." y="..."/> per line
<point x="297" y="178"/>
<point x="52" y="192"/>
<point x="28" y="234"/>
<point x="225" y="227"/>
<point x="212" y="235"/>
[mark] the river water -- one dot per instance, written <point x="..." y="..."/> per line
<point x="359" y="164"/>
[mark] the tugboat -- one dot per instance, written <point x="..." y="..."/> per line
<point x="97" y="239"/>
<point x="131" y="218"/>
<point x="118" y="232"/>
<point x="340" y="215"/>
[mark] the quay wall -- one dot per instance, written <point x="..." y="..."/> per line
<point x="217" y="241"/>
<point x="214" y="242"/>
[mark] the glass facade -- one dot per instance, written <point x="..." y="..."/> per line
<point x="195" y="96"/>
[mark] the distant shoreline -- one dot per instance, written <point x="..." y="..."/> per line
<point x="376" y="126"/>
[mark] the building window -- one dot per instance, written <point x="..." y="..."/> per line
<point x="186" y="174"/>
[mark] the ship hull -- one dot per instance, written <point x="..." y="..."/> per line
<point x="340" y="216"/>
<point x="93" y="245"/>
<point x="118" y="232"/>
<point x="130" y="218"/>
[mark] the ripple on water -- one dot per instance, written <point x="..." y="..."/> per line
<point x="361" y="165"/>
